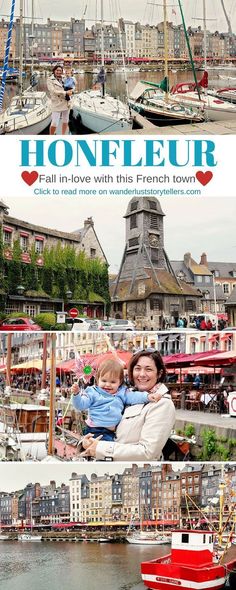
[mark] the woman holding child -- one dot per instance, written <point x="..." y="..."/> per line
<point x="140" y="418"/>
<point x="60" y="98"/>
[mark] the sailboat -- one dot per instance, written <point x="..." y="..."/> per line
<point x="30" y="537"/>
<point x="154" y="102"/>
<point x="95" y="109"/>
<point x="191" y="94"/>
<point x="29" y="112"/>
<point x="144" y="537"/>
<point x="3" y="537"/>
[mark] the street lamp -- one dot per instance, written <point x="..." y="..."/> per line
<point x="215" y="302"/>
<point x="20" y="289"/>
<point x="68" y="295"/>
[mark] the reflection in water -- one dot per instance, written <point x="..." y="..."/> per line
<point x="115" y="81"/>
<point x="73" y="566"/>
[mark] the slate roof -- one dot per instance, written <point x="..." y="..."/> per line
<point x="168" y="286"/>
<point x="225" y="269"/>
<point x="232" y="298"/>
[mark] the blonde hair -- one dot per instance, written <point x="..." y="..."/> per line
<point x="111" y="366"/>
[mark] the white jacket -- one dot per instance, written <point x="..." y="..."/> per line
<point x="142" y="432"/>
<point x="57" y="95"/>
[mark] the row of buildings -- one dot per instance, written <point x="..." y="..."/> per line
<point x="149" y="289"/>
<point x="29" y="346"/>
<point x="62" y="39"/>
<point x="148" y="493"/>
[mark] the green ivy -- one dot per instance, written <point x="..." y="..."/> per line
<point x="64" y="269"/>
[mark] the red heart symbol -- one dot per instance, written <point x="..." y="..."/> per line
<point x="29" y="177"/>
<point x="204" y="177"/>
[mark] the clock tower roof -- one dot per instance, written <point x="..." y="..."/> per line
<point x="141" y="204"/>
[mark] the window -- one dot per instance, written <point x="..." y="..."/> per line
<point x="226" y="287"/>
<point x="7" y="238"/>
<point x="133" y="242"/>
<point x="92" y="252"/>
<point x="39" y="246"/>
<point x="30" y="310"/>
<point x="207" y="279"/>
<point x="216" y="273"/>
<point x="133" y="221"/>
<point x="152" y="204"/>
<point x="155" y="304"/>
<point x="185" y="538"/>
<point x="199" y="279"/>
<point x="190" y="305"/>
<point x="154" y="255"/>
<point x="24" y="243"/>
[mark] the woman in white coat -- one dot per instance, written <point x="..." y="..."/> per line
<point x="60" y="100"/>
<point x="144" y="429"/>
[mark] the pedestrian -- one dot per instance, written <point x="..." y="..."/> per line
<point x="106" y="400"/>
<point x="209" y="325"/>
<point x="60" y="104"/>
<point x="180" y="323"/>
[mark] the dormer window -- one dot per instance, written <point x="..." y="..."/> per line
<point x="134" y="206"/>
<point x="152" y="204"/>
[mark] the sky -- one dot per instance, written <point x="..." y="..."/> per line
<point x="192" y="224"/>
<point x="145" y="12"/>
<point x="15" y="476"/>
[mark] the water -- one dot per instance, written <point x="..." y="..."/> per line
<point x="115" y="81"/>
<point x="73" y="566"/>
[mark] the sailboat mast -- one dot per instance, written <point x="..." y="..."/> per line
<point x="32" y="39"/>
<point x="165" y="39"/>
<point x="8" y="373"/>
<point x="205" y="35"/>
<point x="21" y="39"/>
<point x="102" y="47"/>
<point x="7" y="51"/>
<point x="52" y="394"/>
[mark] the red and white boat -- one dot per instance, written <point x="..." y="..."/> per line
<point x="191" y="565"/>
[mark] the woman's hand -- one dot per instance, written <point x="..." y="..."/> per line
<point x="154" y="397"/>
<point x="87" y="440"/>
<point x="75" y="389"/>
<point x="91" y="449"/>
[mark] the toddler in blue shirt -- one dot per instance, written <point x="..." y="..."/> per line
<point x="106" y="400"/>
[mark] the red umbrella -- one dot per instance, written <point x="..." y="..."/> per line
<point x="218" y="360"/>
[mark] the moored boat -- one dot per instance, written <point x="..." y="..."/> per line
<point x="191" y="565"/>
<point x="29" y="538"/>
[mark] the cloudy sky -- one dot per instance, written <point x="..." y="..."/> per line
<point x="145" y="12"/>
<point x="14" y="476"/>
<point x="192" y="224"/>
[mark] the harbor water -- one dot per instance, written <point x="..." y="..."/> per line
<point x="73" y="566"/>
<point x="116" y="85"/>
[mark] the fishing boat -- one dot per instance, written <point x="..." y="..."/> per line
<point x="192" y="564"/>
<point x="30" y="111"/>
<point x="95" y="109"/>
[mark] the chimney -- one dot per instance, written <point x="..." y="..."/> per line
<point x="89" y="222"/>
<point x="203" y="260"/>
<point x="187" y="259"/>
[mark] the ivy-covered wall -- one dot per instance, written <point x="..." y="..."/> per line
<point x="63" y="269"/>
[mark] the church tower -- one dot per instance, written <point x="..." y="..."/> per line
<point x="144" y="241"/>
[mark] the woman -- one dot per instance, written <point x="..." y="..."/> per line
<point x="144" y="429"/>
<point x="60" y="100"/>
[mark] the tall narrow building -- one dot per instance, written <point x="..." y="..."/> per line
<point x="146" y="288"/>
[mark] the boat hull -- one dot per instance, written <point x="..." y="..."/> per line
<point x="29" y="538"/>
<point x="34" y="129"/>
<point x="99" y="124"/>
<point x="161" y="574"/>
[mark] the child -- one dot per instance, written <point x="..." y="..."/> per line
<point x="106" y="400"/>
<point x="68" y="81"/>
